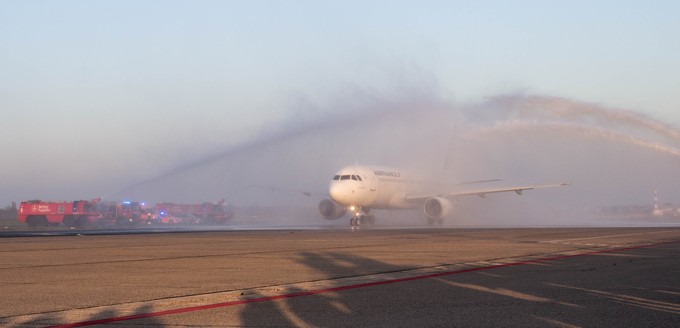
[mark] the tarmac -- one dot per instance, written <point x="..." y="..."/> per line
<point x="529" y="277"/>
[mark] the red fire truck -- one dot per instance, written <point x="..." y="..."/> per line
<point x="125" y="212"/>
<point x="79" y="213"/>
<point x="205" y="213"/>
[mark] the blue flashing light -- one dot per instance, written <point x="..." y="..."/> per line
<point x="127" y="202"/>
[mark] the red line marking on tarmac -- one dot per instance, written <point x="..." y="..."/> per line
<point x="342" y="288"/>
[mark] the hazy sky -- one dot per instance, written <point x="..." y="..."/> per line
<point x="98" y="95"/>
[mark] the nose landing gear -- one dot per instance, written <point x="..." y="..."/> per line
<point x="361" y="218"/>
<point x="354" y="222"/>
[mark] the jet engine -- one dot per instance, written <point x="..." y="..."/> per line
<point x="331" y="210"/>
<point x="437" y="208"/>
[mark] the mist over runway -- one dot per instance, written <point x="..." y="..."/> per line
<point x="612" y="157"/>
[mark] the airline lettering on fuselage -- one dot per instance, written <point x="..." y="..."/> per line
<point x="393" y="174"/>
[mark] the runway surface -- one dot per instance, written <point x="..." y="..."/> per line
<point x="561" y="277"/>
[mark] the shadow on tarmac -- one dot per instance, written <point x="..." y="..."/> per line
<point x="636" y="287"/>
<point x="630" y="288"/>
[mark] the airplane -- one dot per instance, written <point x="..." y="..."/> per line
<point x="360" y="188"/>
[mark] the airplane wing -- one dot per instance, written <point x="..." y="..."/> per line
<point x="483" y="192"/>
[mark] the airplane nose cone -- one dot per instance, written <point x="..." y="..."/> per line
<point x="340" y="193"/>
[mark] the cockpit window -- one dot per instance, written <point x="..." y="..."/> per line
<point x="354" y="177"/>
<point x="358" y="178"/>
<point x="337" y="177"/>
<point x="345" y="177"/>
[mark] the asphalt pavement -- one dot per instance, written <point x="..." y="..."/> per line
<point x="561" y="277"/>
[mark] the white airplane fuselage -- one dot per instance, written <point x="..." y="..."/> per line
<point x="372" y="187"/>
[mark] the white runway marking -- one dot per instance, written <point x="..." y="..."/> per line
<point x="568" y="241"/>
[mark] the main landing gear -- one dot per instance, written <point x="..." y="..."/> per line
<point x="361" y="218"/>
